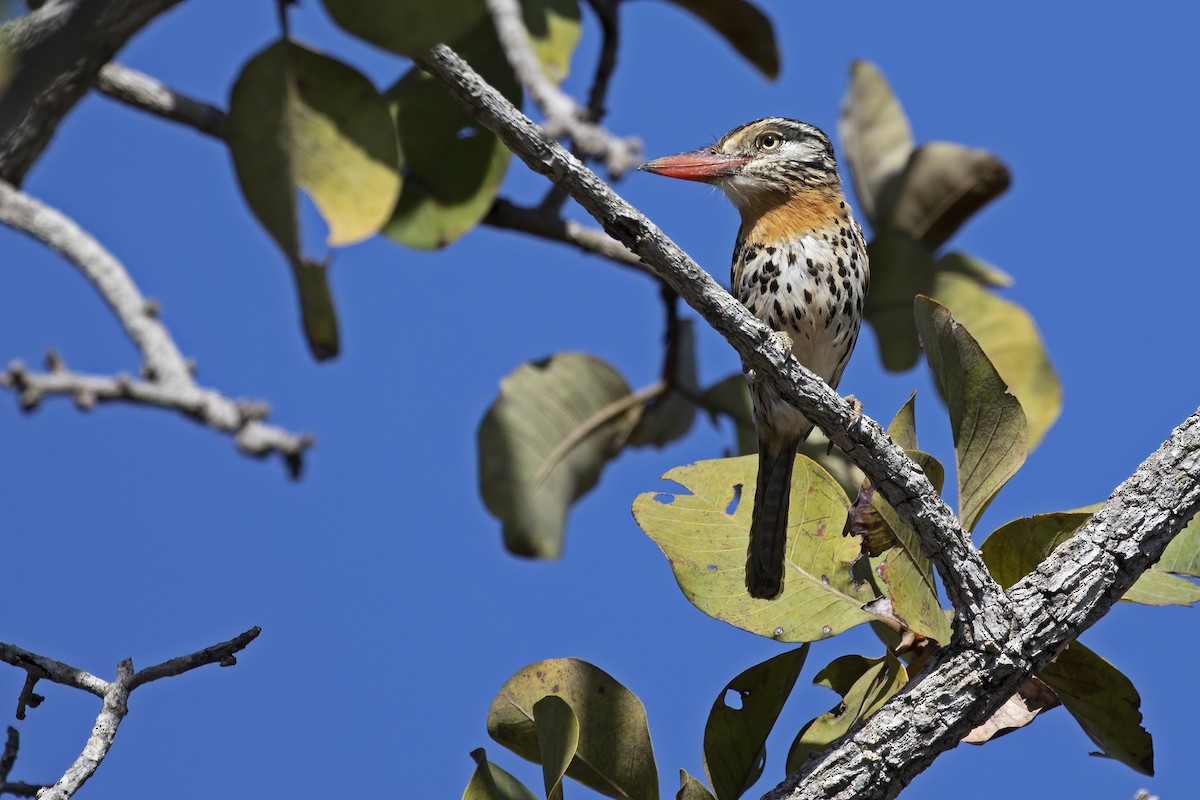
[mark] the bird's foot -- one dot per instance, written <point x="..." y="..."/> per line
<point x="784" y="340"/>
<point x="856" y="411"/>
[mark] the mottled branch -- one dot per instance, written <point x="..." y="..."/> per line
<point x="564" y="117"/>
<point x="58" y="49"/>
<point x="167" y="379"/>
<point x="145" y="93"/>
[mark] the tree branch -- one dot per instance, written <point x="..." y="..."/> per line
<point x="140" y="91"/>
<point x="968" y="583"/>
<point x="564" y="117"/>
<point x="7" y="762"/>
<point x="168" y="376"/>
<point x="999" y="639"/>
<point x="57" y="50"/>
<point x="116" y="704"/>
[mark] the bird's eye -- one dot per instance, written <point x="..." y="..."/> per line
<point x="769" y="141"/>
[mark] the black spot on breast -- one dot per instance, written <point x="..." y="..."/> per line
<point x="789" y="288"/>
<point x="858" y="304"/>
<point x="778" y="309"/>
<point x="844" y="245"/>
<point x="843" y="232"/>
<point x="808" y="297"/>
<point x="842" y="204"/>
<point x="842" y="269"/>
<point x="846" y="309"/>
<point x="749" y="255"/>
<point x="770" y="251"/>
<point x="775" y="285"/>
<point x="791" y="258"/>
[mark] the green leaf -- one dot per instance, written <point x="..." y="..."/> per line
<point x="741" y="24"/>
<point x="704" y="538"/>
<point x="1182" y="555"/>
<point x="901" y="269"/>
<point x="942" y="185"/>
<point x="1104" y="703"/>
<point x="489" y="782"/>
<point x="544" y="442"/>
<point x="692" y="789"/>
<point x="865" y="684"/>
<point x="406" y="27"/>
<point x="735" y="737"/>
<point x="453" y="166"/>
<point x="876" y="137"/>
<point x="316" y="308"/>
<point x="614" y="756"/>
<point x="670" y="416"/>
<point x="558" y="740"/>
<point x="988" y="424"/>
<point x="298" y="119"/>
<point x="975" y="268"/>
<point x="1010" y="338"/>
<point x="1016" y="548"/>
<point x="903" y="428"/>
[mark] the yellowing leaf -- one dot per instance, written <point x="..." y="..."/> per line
<point x="735" y="735"/>
<point x="1104" y="703"/>
<point x="298" y="119"/>
<point x="613" y="756"/>
<point x="975" y="268"/>
<point x="543" y="443"/>
<point x="704" y="537"/>
<point x="406" y="27"/>
<point x="743" y="26"/>
<point x="876" y="137"/>
<point x="864" y="684"/>
<point x="987" y="422"/>
<point x="301" y="119"/>
<point x="554" y="28"/>
<point x="1182" y="555"/>
<point x="1010" y="338"/>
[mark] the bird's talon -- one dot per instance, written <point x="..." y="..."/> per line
<point x="856" y="408"/>
<point x="784" y="340"/>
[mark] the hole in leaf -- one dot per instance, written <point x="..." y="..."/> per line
<point x="733" y="699"/>
<point x="664" y="498"/>
<point x="731" y="509"/>
<point x="467" y="132"/>
<point x="712" y="567"/>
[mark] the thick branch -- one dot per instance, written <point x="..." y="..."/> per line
<point x="58" y="49"/>
<point x="902" y="483"/>
<point x="1076" y="585"/>
<point x="140" y="91"/>
<point x="564" y="117"/>
<point x="168" y="376"/>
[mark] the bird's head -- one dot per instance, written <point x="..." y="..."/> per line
<point x="762" y="163"/>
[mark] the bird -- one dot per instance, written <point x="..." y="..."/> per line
<point x="799" y="265"/>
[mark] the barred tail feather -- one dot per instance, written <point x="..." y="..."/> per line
<point x="769" y="523"/>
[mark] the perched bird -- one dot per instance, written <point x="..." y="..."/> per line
<point x="800" y="266"/>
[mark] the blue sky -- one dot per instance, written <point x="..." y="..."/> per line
<point x="391" y="613"/>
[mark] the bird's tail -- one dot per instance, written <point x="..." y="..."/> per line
<point x="769" y="523"/>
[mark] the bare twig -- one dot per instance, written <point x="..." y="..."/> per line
<point x="16" y="788"/>
<point x="536" y="222"/>
<point x="48" y="669"/>
<point x="564" y="117"/>
<point x="59" y="48"/>
<point x="116" y="705"/>
<point x="999" y="639"/>
<point x="168" y="376"/>
<point x="140" y="91"/>
<point x="610" y="38"/>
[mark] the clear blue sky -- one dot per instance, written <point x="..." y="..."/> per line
<point x="391" y="614"/>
